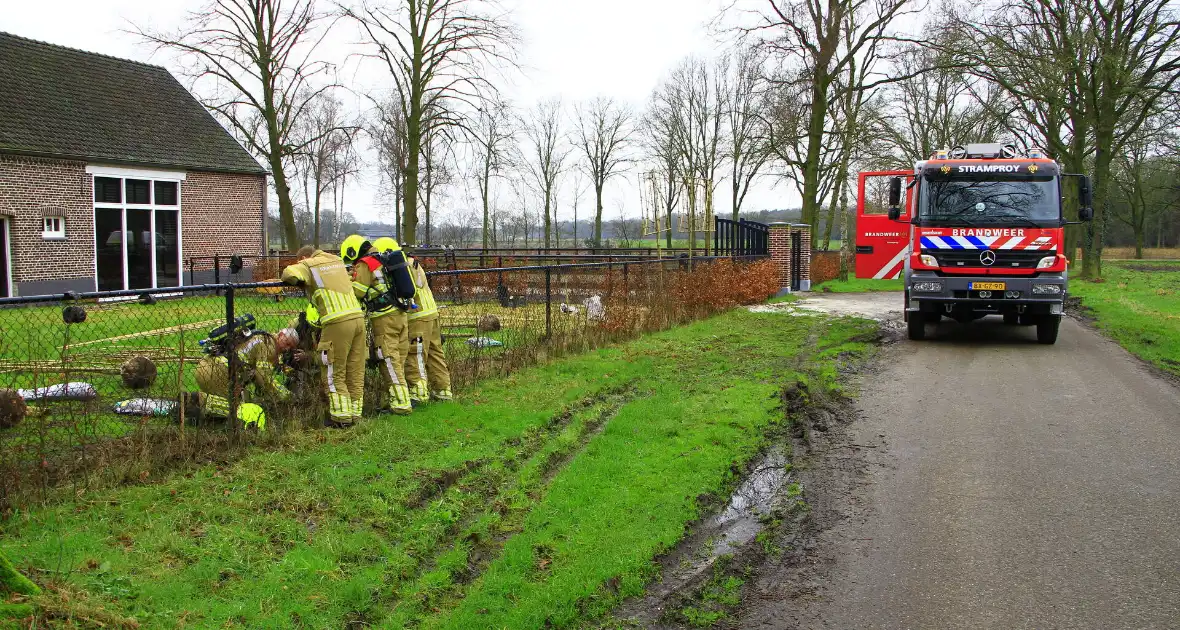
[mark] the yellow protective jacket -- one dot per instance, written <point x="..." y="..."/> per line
<point x="368" y="282"/>
<point x="328" y="284"/>
<point x="424" y="305"/>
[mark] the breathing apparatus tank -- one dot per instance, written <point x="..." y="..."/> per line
<point x="395" y="268"/>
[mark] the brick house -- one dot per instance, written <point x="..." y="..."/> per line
<point x="112" y="175"/>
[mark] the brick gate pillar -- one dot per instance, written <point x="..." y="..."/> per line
<point x="780" y="254"/>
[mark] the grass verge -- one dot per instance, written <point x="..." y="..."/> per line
<point x="539" y="499"/>
<point x="859" y="285"/>
<point x="1137" y="303"/>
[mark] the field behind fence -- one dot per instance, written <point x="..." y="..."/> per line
<point x="91" y="386"/>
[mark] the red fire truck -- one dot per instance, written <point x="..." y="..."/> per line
<point x="980" y="233"/>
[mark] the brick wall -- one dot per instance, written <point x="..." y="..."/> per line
<point x="221" y="213"/>
<point x="780" y="253"/>
<point x="31" y="189"/>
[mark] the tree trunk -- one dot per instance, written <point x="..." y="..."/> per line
<point x="1096" y="232"/>
<point x="847" y="263"/>
<point x="286" y="208"/>
<point x="548" y="226"/>
<point x="413" y="154"/>
<point x="815" y="138"/>
<point x="598" y="215"/>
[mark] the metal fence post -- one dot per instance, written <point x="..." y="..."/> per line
<point x="231" y="358"/>
<point x="216" y="269"/>
<point x="548" y="302"/>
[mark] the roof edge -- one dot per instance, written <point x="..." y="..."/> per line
<point x="124" y="162"/>
<point x="79" y="50"/>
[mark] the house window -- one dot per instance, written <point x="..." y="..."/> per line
<point x="136" y="233"/>
<point x="54" y="228"/>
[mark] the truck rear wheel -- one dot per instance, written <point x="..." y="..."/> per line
<point x="916" y="326"/>
<point x="1047" y="327"/>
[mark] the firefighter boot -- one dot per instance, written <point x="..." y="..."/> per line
<point x="419" y="393"/>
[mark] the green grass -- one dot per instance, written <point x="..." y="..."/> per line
<point x="859" y="285"/>
<point x="1138" y="305"/>
<point x="539" y="499"/>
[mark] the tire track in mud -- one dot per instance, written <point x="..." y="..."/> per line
<point x="485" y="502"/>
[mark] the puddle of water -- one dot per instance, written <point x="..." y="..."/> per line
<point x="741" y="520"/>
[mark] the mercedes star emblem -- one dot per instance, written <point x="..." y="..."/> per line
<point x="988" y="258"/>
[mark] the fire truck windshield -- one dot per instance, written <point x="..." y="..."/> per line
<point x="989" y="201"/>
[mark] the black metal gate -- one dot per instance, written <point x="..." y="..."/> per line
<point x="740" y="238"/>
<point x="796" y="259"/>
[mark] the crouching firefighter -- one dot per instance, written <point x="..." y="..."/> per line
<point x="341" y="350"/>
<point x="381" y="281"/>
<point x="297" y="344"/>
<point x="255" y="355"/>
<point x="426" y="365"/>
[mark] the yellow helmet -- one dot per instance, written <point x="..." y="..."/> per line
<point x="386" y="244"/>
<point x="252" y="414"/>
<point x="353" y="247"/>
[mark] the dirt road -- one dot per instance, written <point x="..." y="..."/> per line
<point x="990" y="482"/>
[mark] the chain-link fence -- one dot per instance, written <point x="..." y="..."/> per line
<point x="115" y="386"/>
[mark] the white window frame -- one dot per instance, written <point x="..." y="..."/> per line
<point x="53" y="235"/>
<point x="124" y="174"/>
<point x="4" y="225"/>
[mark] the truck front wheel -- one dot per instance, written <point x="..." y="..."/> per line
<point x="1047" y="327"/>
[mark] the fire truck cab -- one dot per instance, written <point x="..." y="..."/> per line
<point x="980" y="233"/>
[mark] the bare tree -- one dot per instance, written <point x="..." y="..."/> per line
<point x="389" y="135"/>
<point x="816" y="41"/>
<point x="602" y="129"/>
<point x="437" y="157"/>
<point x="693" y="97"/>
<point x="439" y="54"/>
<point x="259" y="58"/>
<point x="328" y="158"/>
<point x="745" y="102"/>
<point x="1144" y="174"/>
<point x="490" y="135"/>
<point x="545" y="153"/>
<point x="940" y="104"/>
<point x="662" y="149"/>
<point x="1105" y="66"/>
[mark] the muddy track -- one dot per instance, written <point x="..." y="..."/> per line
<point x="479" y="492"/>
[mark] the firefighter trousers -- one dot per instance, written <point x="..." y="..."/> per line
<point x="341" y="351"/>
<point x="212" y="375"/>
<point x="426" y="365"/>
<point x="391" y="339"/>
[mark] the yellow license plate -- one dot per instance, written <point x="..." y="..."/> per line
<point x="988" y="286"/>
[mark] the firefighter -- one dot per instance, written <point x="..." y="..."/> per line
<point x="297" y="344"/>
<point x="341" y="350"/>
<point x="426" y="365"/>
<point x="387" y="321"/>
<point x="257" y="354"/>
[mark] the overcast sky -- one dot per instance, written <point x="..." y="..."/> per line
<point x="574" y="50"/>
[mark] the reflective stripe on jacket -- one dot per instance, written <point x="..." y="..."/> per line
<point x="423" y="297"/>
<point x="328" y="283"/>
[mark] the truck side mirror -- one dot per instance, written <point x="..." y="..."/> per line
<point x="1085" y="199"/>
<point x="894" y="198"/>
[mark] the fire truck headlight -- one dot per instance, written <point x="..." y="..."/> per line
<point x="1046" y="262"/>
<point x="928" y="287"/>
<point x="1046" y="289"/>
<point x="929" y="261"/>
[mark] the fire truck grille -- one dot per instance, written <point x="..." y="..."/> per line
<point x="1005" y="258"/>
